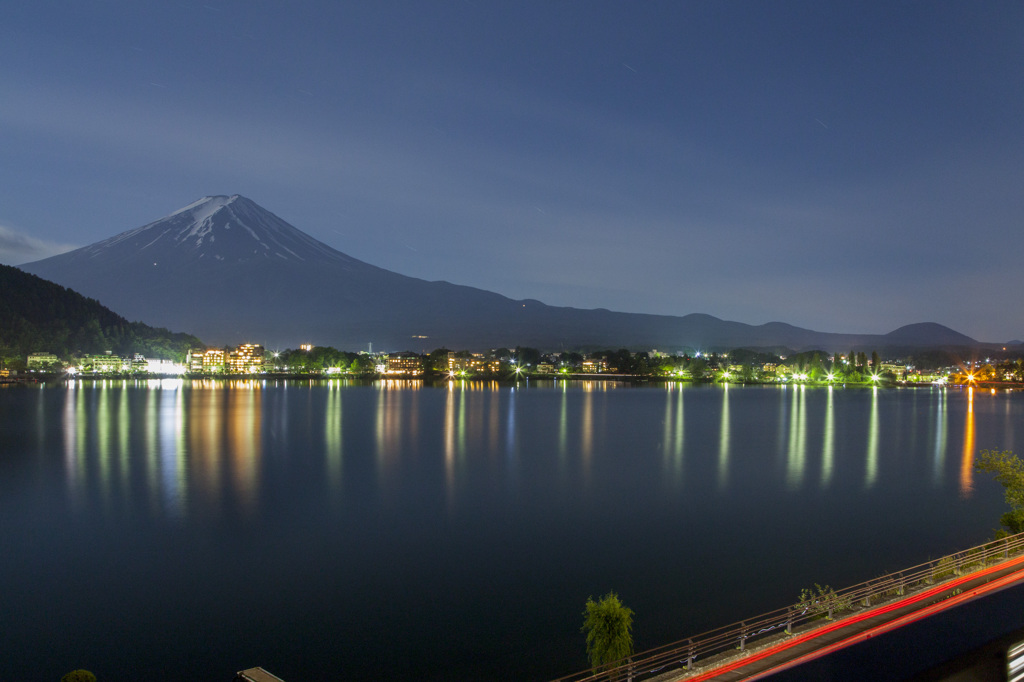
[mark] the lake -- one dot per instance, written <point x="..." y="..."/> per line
<point x="327" y="530"/>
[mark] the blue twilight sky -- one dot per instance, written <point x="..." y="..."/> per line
<point x="839" y="166"/>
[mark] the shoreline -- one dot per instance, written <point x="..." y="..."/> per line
<point x="635" y="379"/>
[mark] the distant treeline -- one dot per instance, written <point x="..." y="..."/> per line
<point x="739" y="365"/>
<point x="39" y="316"/>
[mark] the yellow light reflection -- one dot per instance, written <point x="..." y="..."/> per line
<point x="388" y="426"/>
<point x="587" y="430"/>
<point x="205" y="426"/>
<point x="967" y="459"/>
<point x="244" y="446"/>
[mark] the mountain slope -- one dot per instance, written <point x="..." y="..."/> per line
<point x="231" y="271"/>
<point x="40" y="316"/>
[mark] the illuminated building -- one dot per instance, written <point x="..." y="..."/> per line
<point x="165" y="367"/>
<point x="595" y="365"/>
<point x="246" y="359"/>
<point x="210" y="361"/>
<point x="408" y="364"/>
<point x="103" y="364"/>
<point x="473" y="364"/>
<point x="138" y="363"/>
<point x="41" y="360"/>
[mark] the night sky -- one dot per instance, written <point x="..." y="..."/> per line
<point x="847" y="167"/>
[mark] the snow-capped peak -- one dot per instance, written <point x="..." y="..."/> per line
<point x="222" y="229"/>
<point x="203" y="208"/>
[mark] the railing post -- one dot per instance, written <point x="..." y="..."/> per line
<point x="743" y="635"/>
<point x="789" y="622"/>
<point x="689" y="655"/>
<point x="899" y="586"/>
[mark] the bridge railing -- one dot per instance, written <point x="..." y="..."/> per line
<point x="824" y="607"/>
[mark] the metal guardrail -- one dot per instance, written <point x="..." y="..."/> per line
<point x="682" y="655"/>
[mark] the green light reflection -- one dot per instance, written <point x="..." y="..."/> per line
<point x="829" y="438"/>
<point x="123" y="432"/>
<point x="333" y="436"/>
<point x="563" y="428"/>
<point x="104" y="425"/>
<point x="871" y="469"/>
<point x="672" y="439"/>
<point x="941" y="430"/>
<point x="723" y="440"/>
<point x="152" y="452"/>
<point x="796" y="454"/>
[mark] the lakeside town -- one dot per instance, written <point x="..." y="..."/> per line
<point x="739" y="366"/>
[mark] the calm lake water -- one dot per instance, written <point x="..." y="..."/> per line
<point x="326" y="531"/>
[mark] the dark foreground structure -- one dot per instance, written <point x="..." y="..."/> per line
<point x="256" y="674"/>
<point x="959" y="617"/>
<point x="975" y="633"/>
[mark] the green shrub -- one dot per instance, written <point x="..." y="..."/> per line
<point x="79" y="676"/>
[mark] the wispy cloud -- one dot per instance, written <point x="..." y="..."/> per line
<point x="17" y="248"/>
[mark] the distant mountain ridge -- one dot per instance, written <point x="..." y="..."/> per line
<point x="229" y="271"/>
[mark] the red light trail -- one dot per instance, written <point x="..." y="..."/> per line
<point x="918" y="614"/>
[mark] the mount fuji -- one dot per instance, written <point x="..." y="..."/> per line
<point x="229" y="271"/>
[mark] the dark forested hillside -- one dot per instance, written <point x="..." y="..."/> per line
<point x="40" y="316"/>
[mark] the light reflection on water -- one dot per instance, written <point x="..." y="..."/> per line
<point x="375" y="498"/>
<point x="186" y="438"/>
<point x="333" y="449"/>
<point x="871" y="471"/>
<point x="796" y="454"/>
<point x="967" y="457"/>
<point x="939" y="455"/>
<point x="205" y="440"/>
<point x="829" y="444"/>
